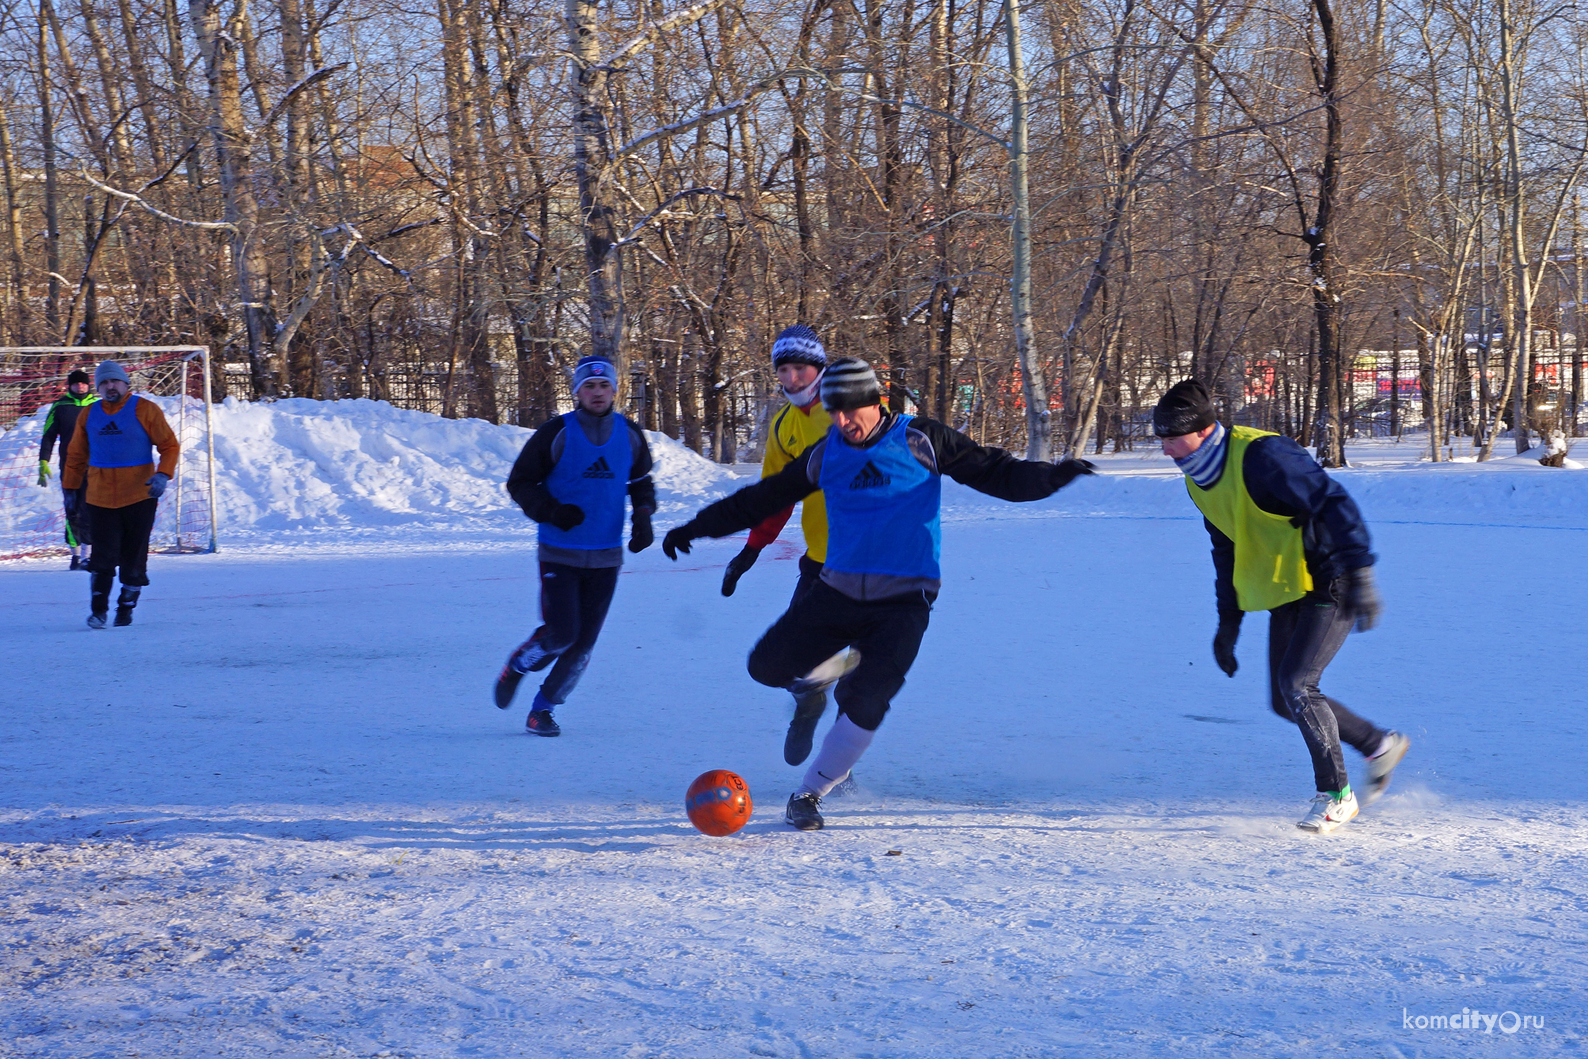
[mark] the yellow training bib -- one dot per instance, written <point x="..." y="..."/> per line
<point x="1270" y="561"/>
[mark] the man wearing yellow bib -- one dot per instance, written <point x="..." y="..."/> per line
<point x="799" y="359"/>
<point x="1287" y="539"/>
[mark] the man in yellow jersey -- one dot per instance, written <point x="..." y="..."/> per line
<point x="799" y="359"/>
<point x="1287" y="539"/>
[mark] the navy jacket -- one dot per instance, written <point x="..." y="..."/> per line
<point x="1284" y="479"/>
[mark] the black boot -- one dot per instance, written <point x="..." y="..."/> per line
<point x="124" y="604"/>
<point x="808" y="709"/>
<point x="99" y="599"/>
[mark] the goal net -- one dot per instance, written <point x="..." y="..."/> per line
<point x="32" y="521"/>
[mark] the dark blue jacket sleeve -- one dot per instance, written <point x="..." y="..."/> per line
<point x="1284" y="479"/>
<point x="1229" y="603"/>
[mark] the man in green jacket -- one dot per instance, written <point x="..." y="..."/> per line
<point x="58" y="424"/>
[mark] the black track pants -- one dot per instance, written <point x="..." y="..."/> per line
<point x="573" y="607"/>
<point x="822" y="622"/>
<point x="120" y="538"/>
<point x="810" y="574"/>
<point x="77" y="530"/>
<point x="1303" y="637"/>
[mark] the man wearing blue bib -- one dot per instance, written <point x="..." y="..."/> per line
<point x="112" y="452"/>
<point x="572" y="478"/>
<point x="881" y="473"/>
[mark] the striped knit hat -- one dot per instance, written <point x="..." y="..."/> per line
<point x="798" y="345"/>
<point x="849" y="384"/>
<point x="593" y="368"/>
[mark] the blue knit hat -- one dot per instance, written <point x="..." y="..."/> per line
<point x="109" y="369"/>
<point x="594" y="368"/>
<point x="798" y="345"/>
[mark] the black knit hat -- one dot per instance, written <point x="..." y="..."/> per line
<point x="798" y="345"/>
<point x="79" y="376"/>
<point x="1185" y="409"/>
<point x="849" y="384"/>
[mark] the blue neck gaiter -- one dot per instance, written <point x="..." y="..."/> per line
<point x="1206" y="465"/>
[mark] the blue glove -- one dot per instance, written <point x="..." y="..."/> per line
<point x="157" y="484"/>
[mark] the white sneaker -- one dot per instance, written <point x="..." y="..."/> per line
<point x="829" y="672"/>
<point x="1380" y="765"/>
<point x="1329" y="812"/>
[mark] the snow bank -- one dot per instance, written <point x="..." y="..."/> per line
<point x="1390" y="482"/>
<point x="293" y="470"/>
<point x="315" y="465"/>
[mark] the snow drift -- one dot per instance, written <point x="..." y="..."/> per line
<point x="296" y="470"/>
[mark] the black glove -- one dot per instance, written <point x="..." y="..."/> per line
<point x="737" y="567"/>
<point x="157" y="484"/>
<point x="677" y="540"/>
<point x="1068" y="471"/>
<point x="642" y="536"/>
<point x="1224" y="644"/>
<point x="566" y="516"/>
<point x="1358" y="594"/>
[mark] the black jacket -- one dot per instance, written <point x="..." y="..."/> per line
<point x="1284" y="479"/>
<point x="942" y="449"/>
<point x="526" y="483"/>
<point x="61" y="421"/>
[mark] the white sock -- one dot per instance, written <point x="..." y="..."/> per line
<point x="846" y="741"/>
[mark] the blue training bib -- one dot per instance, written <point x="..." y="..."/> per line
<point x="595" y="477"/>
<point x="883" y="507"/>
<point x="117" y="440"/>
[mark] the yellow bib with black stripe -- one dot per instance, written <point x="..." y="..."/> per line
<point x="1270" y="559"/>
<point x="793" y="431"/>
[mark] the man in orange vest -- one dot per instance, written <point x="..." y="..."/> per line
<point x="1287" y="539"/>
<point x="112" y="447"/>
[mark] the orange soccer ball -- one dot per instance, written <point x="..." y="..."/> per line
<point x="718" y="802"/>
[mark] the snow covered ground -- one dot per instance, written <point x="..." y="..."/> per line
<point x="279" y="815"/>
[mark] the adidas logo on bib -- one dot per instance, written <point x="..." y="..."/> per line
<point x="599" y="469"/>
<point x="869" y="478"/>
<point x="110" y="427"/>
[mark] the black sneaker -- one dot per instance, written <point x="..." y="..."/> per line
<point x="78" y="564"/>
<point x="507" y="684"/>
<point x="808" y="709"/>
<point x="801" y="813"/>
<point x="96" y="620"/>
<point x="123" y="617"/>
<point x="541" y="722"/>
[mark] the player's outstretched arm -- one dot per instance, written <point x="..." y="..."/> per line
<point x="992" y="470"/>
<point x="747" y="507"/>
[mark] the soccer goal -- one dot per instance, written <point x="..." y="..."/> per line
<point x="177" y="378"/>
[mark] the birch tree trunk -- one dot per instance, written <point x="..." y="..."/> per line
<point x="233" y="149"/>
<point x="591" y="150"/>
<point x="1033" y="386"/>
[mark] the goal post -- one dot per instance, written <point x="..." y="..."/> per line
<point x="32" y="522"/>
